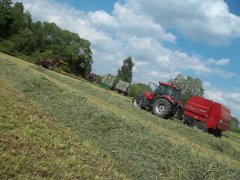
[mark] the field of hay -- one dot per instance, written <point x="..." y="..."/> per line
<point x="56" y="126"/>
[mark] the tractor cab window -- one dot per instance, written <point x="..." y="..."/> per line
<point x="176" y="95"/>
<point x="169" y="91"/>
<point x="153" y="86"/>
<point x="160" y="90"/>
<point x="166" y="90"/>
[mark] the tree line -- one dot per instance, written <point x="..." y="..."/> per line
<point x="20" y="36"/>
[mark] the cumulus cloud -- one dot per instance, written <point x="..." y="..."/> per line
<point x="132" y="30"/>
<point x="230" y="99"/>
<point x="206" y="21"/>
<point x="220" y="62"/>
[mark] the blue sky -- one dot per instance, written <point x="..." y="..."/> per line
<point x="91" y="5"/>
<point x="164" y="38"/>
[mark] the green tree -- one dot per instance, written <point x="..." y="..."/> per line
<point x="18" y="30"/>
<point x="190" y="87"/>
<point x="20" y="36"/>
<point x="138" y="89"/>
<point x="125" y="72"/>
<point x="21" y="41"/>
<point x="18" y="23"/>
<point x="5" y="18"/>
<point x="235" y="125"/>
<point x="234" y="122"/>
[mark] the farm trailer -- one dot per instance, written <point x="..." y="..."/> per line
<point x="110" y="83"/>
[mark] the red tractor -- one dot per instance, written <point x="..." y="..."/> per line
<point x="46" y="63"/>
<point x="163" y="100"/>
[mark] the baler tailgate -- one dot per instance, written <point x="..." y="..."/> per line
<point x="225" y="118"/>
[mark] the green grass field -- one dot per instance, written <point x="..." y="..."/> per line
<point x="56" y="126"/>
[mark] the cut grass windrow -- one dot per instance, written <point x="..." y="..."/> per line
<point x="140" y="146"/>
<point x="34" y="144"/>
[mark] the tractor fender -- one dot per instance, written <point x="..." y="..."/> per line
<point x="177" y="108"/>
<point x="149" y="95"/>
<point x="168" y="98"/>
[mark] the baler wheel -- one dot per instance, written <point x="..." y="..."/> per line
<point x="218" y="133"/>
<point x="202" y="126"/>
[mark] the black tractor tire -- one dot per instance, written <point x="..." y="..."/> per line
<point x="179" y="113"/>
<point x="162" y="108"/>
<point x="139" y="101"/>
<point x="202" y="126"/>
<point x="125" y="93"/>
<point x="189" y="121"/>
<point x="50" y="67"/>
<point x="217" y="133"/>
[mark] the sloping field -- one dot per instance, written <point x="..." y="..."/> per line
<point x="55" y="126"/>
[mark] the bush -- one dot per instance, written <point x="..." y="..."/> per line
<point x="7" y="47"/>
<point x="138" y="89"/>
<point x="234" y="129"/>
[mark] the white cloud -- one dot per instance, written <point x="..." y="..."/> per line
<point x="101" y="18"/>
<point x="137" y="24"/>
<point x="207" y="21"/>
<point x="220" y="62"/>
<point x="230" y="99"/>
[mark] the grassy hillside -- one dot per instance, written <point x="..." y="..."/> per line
<point x="56" y="126"/>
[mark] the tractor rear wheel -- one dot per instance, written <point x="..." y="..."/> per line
<point x="162" y="108"/>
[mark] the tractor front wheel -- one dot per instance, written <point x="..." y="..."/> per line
<point x="50" y="67"/>
<point x="139" y="101"/>
<point x="162" y="108"/>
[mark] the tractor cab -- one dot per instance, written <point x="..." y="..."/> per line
<point x="168" y="90"/>
<point x="163" y="88"/>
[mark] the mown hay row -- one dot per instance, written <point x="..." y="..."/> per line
<point x="137" y="151"/>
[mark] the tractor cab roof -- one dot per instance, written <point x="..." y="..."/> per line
<point x="170" y="85"/>
<point x="167" y="84"/>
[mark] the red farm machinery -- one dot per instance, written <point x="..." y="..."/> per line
<point x="46" y="63"/>
<point x="163" y="100"/>
<point x="207" y="115"/>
